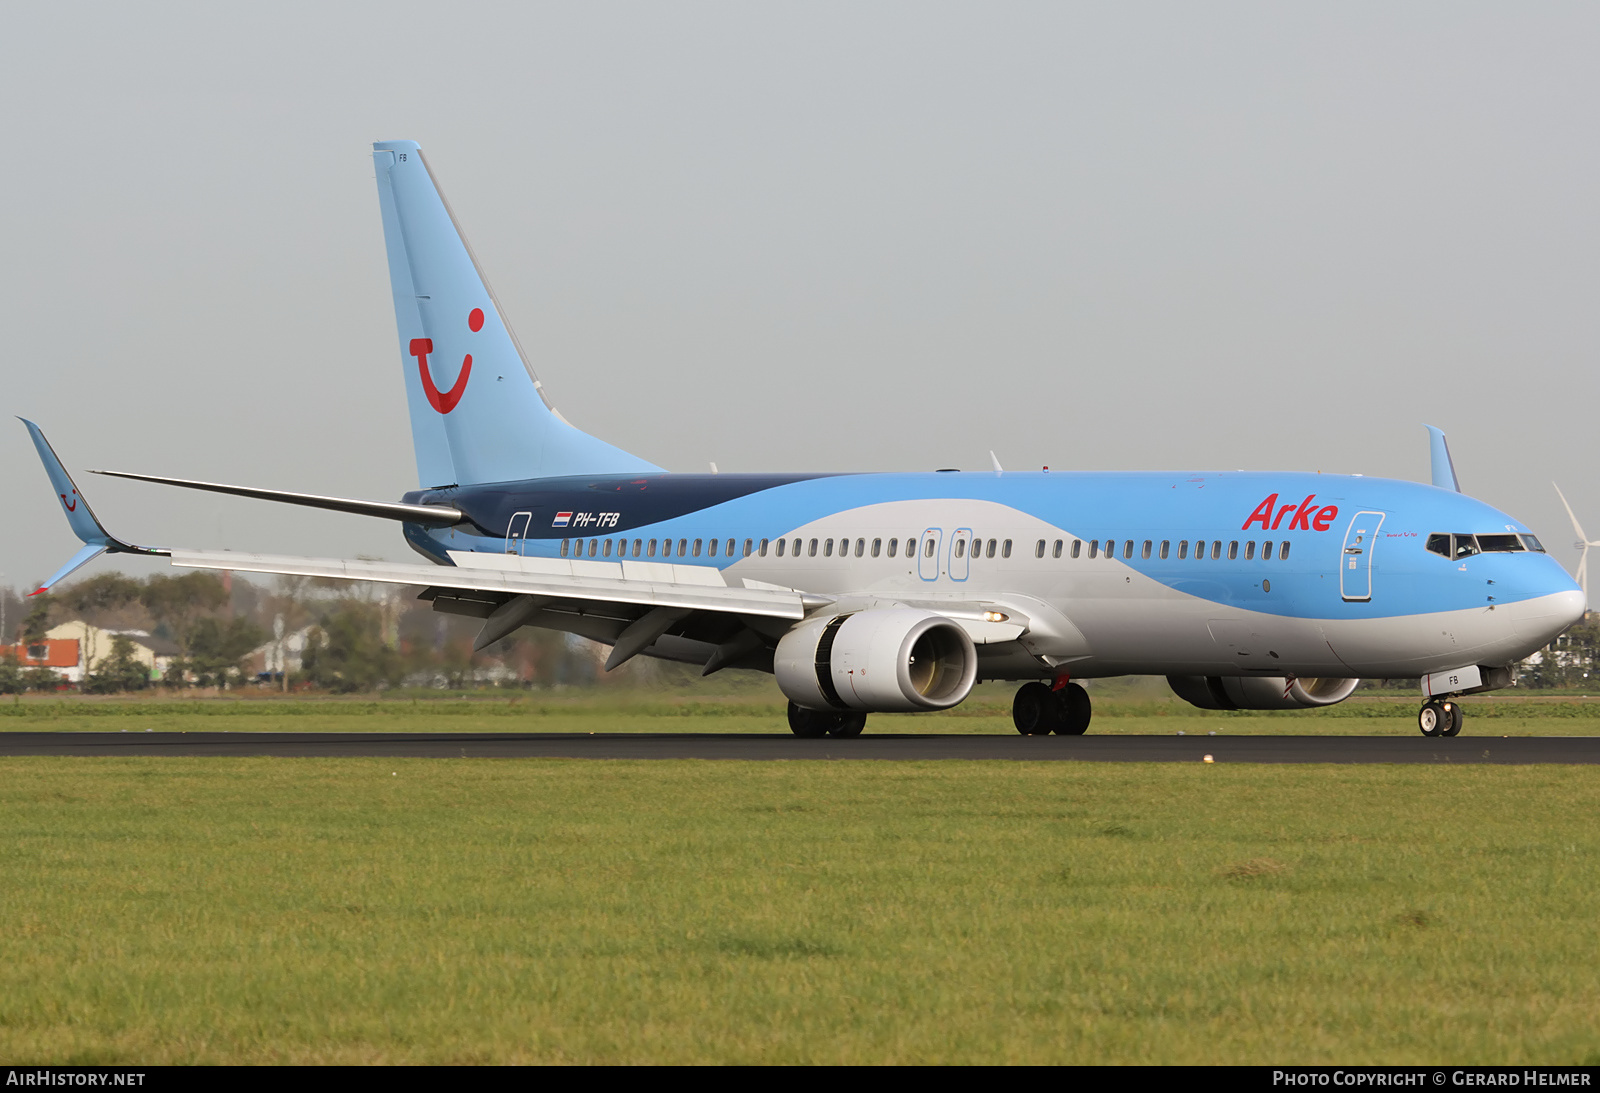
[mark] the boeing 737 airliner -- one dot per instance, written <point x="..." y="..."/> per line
<point x="898" y="592"/>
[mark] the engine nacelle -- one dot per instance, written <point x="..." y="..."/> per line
<point x="886" y="660"/>
<point x="1260" y="692"/>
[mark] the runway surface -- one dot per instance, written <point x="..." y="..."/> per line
<point x="1094" y="749"/>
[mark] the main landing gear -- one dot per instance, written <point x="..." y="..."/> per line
<point x="817" y="723"/>
<point x="1440" y="717"/>
<point x="1040" y="709"/>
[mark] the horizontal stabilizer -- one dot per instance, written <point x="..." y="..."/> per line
<point x="438" y="516"/>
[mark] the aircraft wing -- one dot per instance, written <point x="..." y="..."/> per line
<point x="645" y="584"/>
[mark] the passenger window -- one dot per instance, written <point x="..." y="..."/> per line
<point x="605" y="551"/>
<point x="1216" y="550"/>
<point x="728" y="550"/>
<point x="928" y="545"/>
<point x="781" y="544"/>
<point x="1059" y="544"/>
<point x="713" y="549"/>
<point x="1183" y="549"/>
<point x="811" y="552"/>
<point x="749" y="548"/>
<point x="794" y="548"/>
<point x="683" y="548"/>
<point x="1005" y="549"/>
<point x="1266" y="551"/>
<point x="861" y="547"/>
<point x="650" y="549"/>
<point x="827" y="548"/>
<point x="594" y="547"/>
<point x="697" y="547"/>
<point x="1283" y="551"/>
<point x="1076" y="545"/>
<point x="1127" y="548"/>
<point x="566" y="546"/>
<point x="990" y="553"/>
<point x="1038" y="549"/>
<point x="1233" y="551"/>
<point x="894" y="544"/>
<point x="961" y="548"/>
<point x="1250" y="550"/>
<point x="1144" y="551"/>
<point x="1094" y="548"/>
<point x="763" y="547"/>
<point x="877" y="547"/>
<point x="1166" y="548"/>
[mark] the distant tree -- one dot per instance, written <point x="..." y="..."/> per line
<point x="179" y="603"/>
<point x="120" y="670"/>
<point x="11" y="675"/>
<point x="217" y="646"/>
<point x="37" y="622"/>
<point x="347" y="652"/>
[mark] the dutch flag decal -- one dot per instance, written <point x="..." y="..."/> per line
<point x="562" y="520"/>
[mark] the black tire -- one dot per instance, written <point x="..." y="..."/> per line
<point x="848" y="724"/>
<point x="1076" y="710"/>
<point x="1036" y="711"/>
<point x="1433" y="719"/>
<point x="1457" y="716"/>
<point x="810" y="724"/>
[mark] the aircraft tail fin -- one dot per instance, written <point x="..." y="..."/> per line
<point x="478" y="413"/>
<point x="84" y="523"/>
<point x="1442" y="467"/>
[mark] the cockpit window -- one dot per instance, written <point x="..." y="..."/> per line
<point x="1500" y="543"/>
<point x="1465" y="546"/>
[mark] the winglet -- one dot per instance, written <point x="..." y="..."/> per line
<point x="85" y="525"/>
<point x="1444" y="471"/>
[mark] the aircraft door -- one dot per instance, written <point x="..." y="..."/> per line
<point x="1355" y="563"/>
<point x="928" y="560"/>
<point x="960" y="554"/>
<point x="517" y="532"/>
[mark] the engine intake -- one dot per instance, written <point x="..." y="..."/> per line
<point x="885" y="660"/>
<point x="1260" y="692"/>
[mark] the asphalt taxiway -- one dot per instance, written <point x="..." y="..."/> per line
<point x="1090" y="748"/>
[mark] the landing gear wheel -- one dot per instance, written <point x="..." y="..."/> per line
<point x="1457" y="716"/>
<point x="1434" y="718"/>
<point x="815" y="724"/>
<point x="848" y="724"/>
<point x="1036" y="711"/>
<point x="1076" y="709"/>
<point x="810" y="724"/>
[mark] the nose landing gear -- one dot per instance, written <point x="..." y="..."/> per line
<point x="1440" y="717"/>
<point x="1040" y="709"/>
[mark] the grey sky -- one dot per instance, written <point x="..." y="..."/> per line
<point x="806" y="236"/>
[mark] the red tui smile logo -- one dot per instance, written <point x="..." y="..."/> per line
<point x="445" y="401"/>
<point x="72" y="506"/>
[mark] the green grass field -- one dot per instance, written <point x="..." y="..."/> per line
<point x="354" y="910"/>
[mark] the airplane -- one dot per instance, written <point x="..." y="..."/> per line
<point x="886" y="592"/>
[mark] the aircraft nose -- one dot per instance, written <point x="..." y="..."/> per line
<point x="1540" y="621"/>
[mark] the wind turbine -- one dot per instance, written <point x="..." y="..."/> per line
<point x="1583" y="544"/>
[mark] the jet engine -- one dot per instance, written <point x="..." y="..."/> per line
<point x="889" y="659"/>
<point x="1260" y="692"/>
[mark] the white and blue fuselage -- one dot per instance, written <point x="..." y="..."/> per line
<point x="1164" y="573"/>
